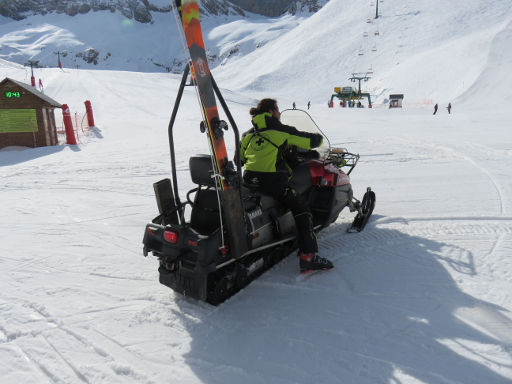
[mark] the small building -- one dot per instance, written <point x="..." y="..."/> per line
<point x="395" y="101"/>
<point x="26" y="116"/>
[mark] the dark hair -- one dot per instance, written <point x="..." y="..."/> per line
<point x="265" y="105"/>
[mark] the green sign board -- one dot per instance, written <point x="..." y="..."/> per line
<point x="18" y="120"/>
<point x="12" y="95"/>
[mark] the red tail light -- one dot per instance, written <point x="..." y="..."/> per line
<point x="171" y="237"/>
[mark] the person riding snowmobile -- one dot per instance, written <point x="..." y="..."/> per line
<point x="263" y="154"/>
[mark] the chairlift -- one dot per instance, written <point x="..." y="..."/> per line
<point x="369" y="21"/>
<point x="376" y="33"/>
<point x="374" y="49"/>
<point x="365" y="34"/>
<point x="361" y="53"/>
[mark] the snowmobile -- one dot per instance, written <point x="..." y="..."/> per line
<point x="194" y="248"/>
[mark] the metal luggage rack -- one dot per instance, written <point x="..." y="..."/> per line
<point x="342" y="158"/>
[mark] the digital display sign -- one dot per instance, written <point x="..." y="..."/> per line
<point x="12" y="95"/>
<point x="18" y="120"/>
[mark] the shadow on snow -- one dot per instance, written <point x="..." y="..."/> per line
<point x="387" y="311"/>
<point x="18" y="155"/>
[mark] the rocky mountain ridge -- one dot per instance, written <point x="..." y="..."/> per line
<point x="138" y="10"/>
<point x="142" y="10"/>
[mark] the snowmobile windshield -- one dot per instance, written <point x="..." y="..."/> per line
<point x="303" y="122"/>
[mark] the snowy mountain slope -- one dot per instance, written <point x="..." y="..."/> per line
<point x="418" y="48"/>
<point x="423" y="295"/>
<point x="39" y="37"/>
<point x="131" y="45"/>
<point x="495" y="80"/>
<point x="81" y="40"/>
<point x="414" y="37"/>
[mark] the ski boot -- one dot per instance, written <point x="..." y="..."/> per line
<point x="310" y="262"/>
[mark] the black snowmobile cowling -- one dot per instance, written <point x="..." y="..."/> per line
<point x="194" y="253"/>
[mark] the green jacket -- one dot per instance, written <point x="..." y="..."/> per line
<point x="263" y="147"/>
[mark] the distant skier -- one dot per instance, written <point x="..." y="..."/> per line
<point x="309" y="104"/>
<point x="435" y="109"/>
<point x="449" y="108"/>
<point x="294" y="105"/>
<point x="262" y="152"/>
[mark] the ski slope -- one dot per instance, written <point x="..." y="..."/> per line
<point x="422" y="295"/>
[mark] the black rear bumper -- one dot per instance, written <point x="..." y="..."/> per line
<point x="186" y="265"/>
<point x="187" y="282"/>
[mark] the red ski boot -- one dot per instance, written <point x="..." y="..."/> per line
<point x="310" y="262"/>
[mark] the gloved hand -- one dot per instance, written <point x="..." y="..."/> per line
<point x="316" y="140"/>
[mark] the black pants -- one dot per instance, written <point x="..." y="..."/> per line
<point x="276" y="185"/>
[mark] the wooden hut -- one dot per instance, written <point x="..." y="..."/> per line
<point x="27" y="116"/>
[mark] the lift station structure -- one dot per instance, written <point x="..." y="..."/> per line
<point x="349" y="94"/>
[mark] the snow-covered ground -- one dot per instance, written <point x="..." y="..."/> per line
<point x="423" y="295"/>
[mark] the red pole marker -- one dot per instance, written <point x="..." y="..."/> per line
<point x="68" y="125"/>
<point x="90" y="116"/>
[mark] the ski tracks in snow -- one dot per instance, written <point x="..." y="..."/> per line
<point x="480" y="157"/>
<point x="75" y="348"/>
<point x="484" y="170"/>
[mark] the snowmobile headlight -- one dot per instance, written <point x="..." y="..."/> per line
<point x="171" y="236"/>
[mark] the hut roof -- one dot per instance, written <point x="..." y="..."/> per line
<point x="34" y="91"/>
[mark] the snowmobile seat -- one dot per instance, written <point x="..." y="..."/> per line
<point x="201" y="170"/>
<point x="254" y="198"/>
<point x="204" y="217"/>
<point x="249" y="189"/>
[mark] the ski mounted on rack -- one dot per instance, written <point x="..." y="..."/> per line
<point x="227" y="181"/>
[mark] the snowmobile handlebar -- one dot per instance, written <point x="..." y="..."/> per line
<point x="339" y="157"/>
